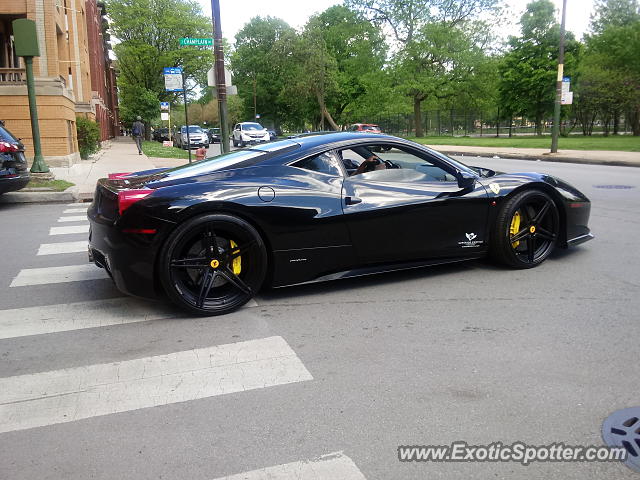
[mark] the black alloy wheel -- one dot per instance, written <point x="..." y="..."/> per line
<point x="526" y="230"/>
<point x="213" y="264"/>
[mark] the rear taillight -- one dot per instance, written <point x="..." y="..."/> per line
<point x="6" y="147"/>
<point x="126" y="198"/>
<point x="118" y="175"/>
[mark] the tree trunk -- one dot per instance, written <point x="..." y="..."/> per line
<point x="616" y="122"/>
<point x="325" y="113"/>
<point x="417" y="114"/>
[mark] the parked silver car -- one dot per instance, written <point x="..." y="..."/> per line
<point x="197" y="137"/>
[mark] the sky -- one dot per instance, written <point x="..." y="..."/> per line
<point x="235" y="13"/>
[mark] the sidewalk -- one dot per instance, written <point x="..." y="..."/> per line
<point x="121" y="156"/>
<point x="598" y="157"/>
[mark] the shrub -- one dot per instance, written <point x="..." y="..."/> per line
<point x="88" y="136"/>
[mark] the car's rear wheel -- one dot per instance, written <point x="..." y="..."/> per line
<point x="526" y="229"/>
<point x="213" y="264"/>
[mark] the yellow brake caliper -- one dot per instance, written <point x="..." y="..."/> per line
<point x="515" y="227"/>
<point x="237" y="262"/>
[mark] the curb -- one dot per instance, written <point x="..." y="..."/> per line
<point x="543" y="158"/>
<point x="69" y="195"/>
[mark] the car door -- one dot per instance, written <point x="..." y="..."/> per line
<point x="414" y="210"/>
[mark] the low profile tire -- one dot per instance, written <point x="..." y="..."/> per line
<point x="242" y="144"/>
<point x="212" y="264"/>
<point x="235" y="144"/>
<point x="526" y="230"/>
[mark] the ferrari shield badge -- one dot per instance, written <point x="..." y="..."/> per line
<point x="495" y="188"/>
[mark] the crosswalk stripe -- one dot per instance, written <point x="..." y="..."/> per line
<point x="21" y="322"/>
<point x="62" y="247"/>
<point x="79" y="204"/>
<point x="76" y="210"/>
<point x="334" y="466"/>
<point x="73" y="218"/>
<point x="68" y="273"/>
<point x="69" y="229"/>
<point x="59" y="396"/>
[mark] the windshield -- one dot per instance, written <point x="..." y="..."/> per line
<point x="370" y="127"/>
<point x="192" y="129"/>
<point x="252" y="126"/>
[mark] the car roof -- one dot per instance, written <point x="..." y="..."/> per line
<point x="314" y="139"/>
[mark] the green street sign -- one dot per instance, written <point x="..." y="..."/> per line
<point x="197" y="42"/>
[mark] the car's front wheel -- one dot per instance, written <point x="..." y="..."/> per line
<point x="526" y="229"/>
<point x="213" y="264"/>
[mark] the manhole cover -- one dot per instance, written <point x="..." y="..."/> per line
<point x="622" y="429"/>
<point x="615" y="187"/>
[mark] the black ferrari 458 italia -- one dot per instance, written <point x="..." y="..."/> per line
<point x="210" y="234"/>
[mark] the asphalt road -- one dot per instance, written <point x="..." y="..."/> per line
<point x="470" y="352"/>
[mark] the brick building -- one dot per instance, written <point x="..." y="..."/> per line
<point x="73" y="75"/>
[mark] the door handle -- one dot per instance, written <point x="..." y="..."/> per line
<point x="352" y="200"/>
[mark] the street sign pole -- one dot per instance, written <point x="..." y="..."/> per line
<point x="186" y="117"/>
<point x="26" y="46"/>
<point x="556" y="110"/>
<point x="221" y="87"/>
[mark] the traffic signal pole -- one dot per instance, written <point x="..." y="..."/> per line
<point x="556" y="109"/>
<point x="221" y="87"/>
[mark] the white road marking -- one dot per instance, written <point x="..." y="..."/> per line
<point x="73" y="218"/>
<point x="76" y="210"/>
<point x="69" y="229"/>
<point x="69" y="273"/>
<point x="334" y="466"/>
<point x="62" y="247"/>
<point x="20" y="322"/>
<point x="79" y="204"/>
<point x="59" y="396"/>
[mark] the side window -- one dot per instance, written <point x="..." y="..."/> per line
<point x="324" y="163"/>
<point x="396" y="165"/>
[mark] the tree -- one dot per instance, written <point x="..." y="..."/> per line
<point x="354" y="51"/>
<point x="148" y="32"/>
<point x="260" y="66"/>
<point x="436" y="43"/>
<point x="610" y="83"/>
<point x="529" y="70"/>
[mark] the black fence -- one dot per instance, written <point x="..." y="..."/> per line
<point x="479" y="124"/>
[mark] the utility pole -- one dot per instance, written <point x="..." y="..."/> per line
<point x="186" y="116"/>
<point x="556" y="110"/>
<point x="221" y="87"/>
<point x="255" y="101"/>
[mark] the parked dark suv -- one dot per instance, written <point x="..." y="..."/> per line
<point x="14" y="174"/>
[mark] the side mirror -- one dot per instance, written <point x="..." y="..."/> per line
<point x="466" y="180"/>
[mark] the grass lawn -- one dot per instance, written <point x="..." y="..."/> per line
<point x="626" y="143"/>
<point x="57" y="185"/>
<point x="155" y="149"/>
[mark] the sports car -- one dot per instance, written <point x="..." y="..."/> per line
<point x="210" y="234"/>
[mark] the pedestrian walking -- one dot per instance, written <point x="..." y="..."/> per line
<point x="137" y="131"/>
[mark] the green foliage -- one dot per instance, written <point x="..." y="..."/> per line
<point x="609" y="83"/>
<point x="148" y="32"/>
<point x="529" y="70"/>
<point x="88" y="133"/>
<point x="262" y="63"/>
<point x="439" y="45"/>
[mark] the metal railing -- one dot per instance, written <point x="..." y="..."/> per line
<point x="12" y="76"/>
